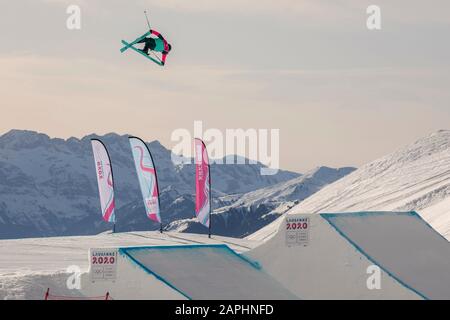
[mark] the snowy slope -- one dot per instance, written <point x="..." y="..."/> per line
<point x="330" y="257"/>
<point x="438" y="215"/>
<point x="413" y="258"/>
<point x="241" y="215"/>
<point x="48" y="186"/>
<point x="29" y="266"/>
<point x="414" y="178"/>
<point x="296" y="189"/>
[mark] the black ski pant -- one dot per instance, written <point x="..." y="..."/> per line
<point x="150" y="44"/>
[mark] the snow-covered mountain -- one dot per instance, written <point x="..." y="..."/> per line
<point x="48" y="186"/>
<point x="416" y="177"/>
<point x="241" y="215"/>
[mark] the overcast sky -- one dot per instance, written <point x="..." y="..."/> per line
<point x="340" y="94"/>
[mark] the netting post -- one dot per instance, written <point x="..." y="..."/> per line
<point x="46" y="294"/>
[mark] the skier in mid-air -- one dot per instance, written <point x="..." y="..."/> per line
<point x="158" y="44"/>
<point x="153" y="42"/>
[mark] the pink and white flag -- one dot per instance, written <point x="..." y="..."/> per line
<point x="146" y="173"/>
<point x="104" y="173"/>
<point x="202" y="184"/>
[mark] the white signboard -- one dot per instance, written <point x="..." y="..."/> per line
<point x="297" y="231"/>
<point x="103" y="264"/>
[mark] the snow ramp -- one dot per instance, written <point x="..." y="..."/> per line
<point x="333" y="256"/>
<point x="207" y="272"/>
<point x="402" y="244"/>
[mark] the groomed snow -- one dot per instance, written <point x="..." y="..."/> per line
<point x="29" y="266"/>
<point x="208" y="272"/>
<point x="413" y="258"/>
<point x="328" y="268"/>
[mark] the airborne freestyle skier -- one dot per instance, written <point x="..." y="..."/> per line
<point x="158" y="44"/>
<point x="154" y="43"/>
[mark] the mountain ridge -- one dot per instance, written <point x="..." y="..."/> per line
<point x="48" y="185"/>
<point x="240" y="215"/>
<point x="415" y="177"/>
